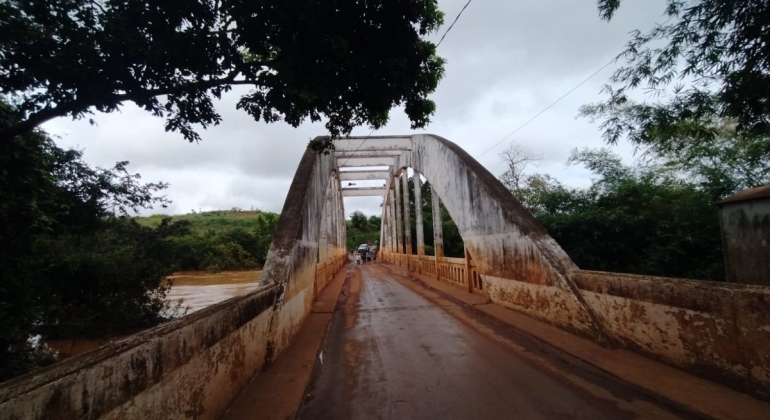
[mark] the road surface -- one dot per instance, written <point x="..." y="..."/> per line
<point x="393" y="354"/>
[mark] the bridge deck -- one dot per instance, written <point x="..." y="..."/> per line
<point x="393" y="354"/>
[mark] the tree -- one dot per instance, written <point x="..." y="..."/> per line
<point x="69" y="263"/>
<point x="359" y="220"/>
<point x="644" y="219"/>
<point x="714" y="51"/>
<point x="723" y="164"/>
<point x="266" y="225"/>
<point x="346" y="62"/>
<point x="375" y="222"/>
<point x="517" y="159"/>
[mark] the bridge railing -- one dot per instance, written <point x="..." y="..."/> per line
<point x="450" y="270"/>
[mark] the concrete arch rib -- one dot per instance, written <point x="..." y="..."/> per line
<point x="522" y="267"/>
<point x="295" y="263"/>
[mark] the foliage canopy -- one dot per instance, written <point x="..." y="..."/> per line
<point x="348" y="62"/>
<point x="713" y="52"/>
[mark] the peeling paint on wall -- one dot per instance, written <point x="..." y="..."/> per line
<point x="718" y="330"/>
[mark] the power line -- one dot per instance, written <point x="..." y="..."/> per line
<point x="558" y="100"/>
<point x="548" y="107"/>
<point x="359" y="146"/>
<point x="453" y="23"/>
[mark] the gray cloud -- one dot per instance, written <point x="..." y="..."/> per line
<point x="506" y="61"/>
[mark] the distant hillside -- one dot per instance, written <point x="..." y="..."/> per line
<point x="220" y="240"/>
<point x="216" y="220"/>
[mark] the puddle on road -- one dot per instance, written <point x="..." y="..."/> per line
<point x="199" y="289"/>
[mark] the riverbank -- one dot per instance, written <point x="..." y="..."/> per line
<point x="193" y="290"/>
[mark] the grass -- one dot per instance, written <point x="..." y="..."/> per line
<point x="209" y="220"/>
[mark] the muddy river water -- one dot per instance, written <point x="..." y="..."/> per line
<point x="199" y="289"/>
<point x="195" y="290"/>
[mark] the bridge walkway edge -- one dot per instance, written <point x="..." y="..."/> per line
<point x="276" y="392"/>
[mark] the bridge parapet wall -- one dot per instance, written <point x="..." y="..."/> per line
<point x="194" y="366"/>
<point x="718" y="330"/>
<point x="187" y="368"/>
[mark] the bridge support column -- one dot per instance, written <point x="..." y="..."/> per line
<point x="399" y="223"/>
<point x="330" y="224"/>
<point x="337" y="217"/>
<point x="386" y="239"/>
<point x="407" y="213"/>
<point x="438" y="232"/>
<point x="323" y="238"/>
<point x="393" y="223"/>
<point x="468" y="275"/>
<point x="418" y="220"/>
<point x="384" y="228"/>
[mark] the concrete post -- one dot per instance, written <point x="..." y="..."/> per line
<point x="438" y="231"/>
<point x="323" y="238"/>
<point x="418" y="220"/>
<point x="399" y="223"/>
<point x="393" y="218"/>
<point x="343" y="243"/>
<point x="384" y="226"/>
<point x="341" y="240"/>
<point x="329" y="225"/>
<point x="344" y="233"/>
<point x="334" y="238"/>
<point x="468" y="276"/>
<point x="341" y="227"/>
<point x="407" y="227"/>
<point x="383" y="223"/>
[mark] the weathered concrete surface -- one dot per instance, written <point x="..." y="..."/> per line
<point x="407" y="213"/>
<point x="292" y="262"/>
<point x="521" y="265"/>
<point x="745" y="224"/>
<point x="188" y="368"/>
<point x="719" y="330"/>
<point x="438" y="233"/>
<point x="420" y="234"/>
<point x="194" y="366"/>
<point x="391" y="354"/>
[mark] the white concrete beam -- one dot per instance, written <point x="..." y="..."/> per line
<point x="364" y="192"/>
<point x="373" y="143"/>
<point x="354" y="162"/>
<point x="363" y="175"/>
<point x="369" y="153"/>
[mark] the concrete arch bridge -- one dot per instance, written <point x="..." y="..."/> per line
<point x="413" y="335"/>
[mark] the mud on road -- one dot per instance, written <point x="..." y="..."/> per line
<point x="394" y="353"/>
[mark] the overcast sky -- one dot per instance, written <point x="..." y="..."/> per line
<point x="506" y="61"/>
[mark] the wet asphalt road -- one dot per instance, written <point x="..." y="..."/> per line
<point x="392" y="354"/>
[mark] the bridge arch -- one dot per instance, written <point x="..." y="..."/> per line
<point x="520" y="265"/>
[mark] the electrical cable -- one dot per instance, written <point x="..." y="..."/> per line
<point x="453" y="23"/>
